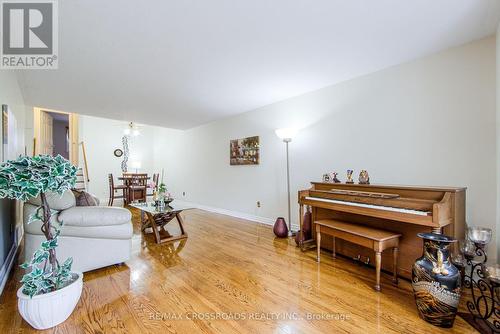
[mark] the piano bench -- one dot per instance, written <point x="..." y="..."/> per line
<point x="373" y="238"/>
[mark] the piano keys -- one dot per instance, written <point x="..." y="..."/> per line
<point x="404" y="209"/>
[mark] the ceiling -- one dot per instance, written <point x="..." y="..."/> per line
<point x="181" y="64"/>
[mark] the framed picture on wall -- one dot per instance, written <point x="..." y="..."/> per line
<point x="244" y="151"/>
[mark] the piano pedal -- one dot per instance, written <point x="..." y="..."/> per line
<point x="361" y="261"/>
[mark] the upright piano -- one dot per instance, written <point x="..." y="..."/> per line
<point x="404" y="209"/>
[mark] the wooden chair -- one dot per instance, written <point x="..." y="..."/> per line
<point x="113" y="189"/>
<point x="156" y="179"/>
<point x="138" y="184"/>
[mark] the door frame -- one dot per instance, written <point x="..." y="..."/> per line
<point x="73" y="132"/>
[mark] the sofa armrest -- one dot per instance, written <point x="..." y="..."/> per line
<point x="94" y="216"/>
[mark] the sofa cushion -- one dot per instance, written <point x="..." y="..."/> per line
<point x="121" y="231"/>
<point x="94" y="216"/>
<point x="56" y="201"/>
<point x="83" y="198"/>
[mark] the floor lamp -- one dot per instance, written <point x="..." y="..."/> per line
<point x="286" y="135"/>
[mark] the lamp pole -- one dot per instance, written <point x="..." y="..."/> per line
<point x="286" y="134"/>
<point x="287" y="140"/>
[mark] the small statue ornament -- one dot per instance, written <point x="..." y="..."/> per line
<point x="349" y="176"/>
<point x="335" y="178"/>
<point x="363" y="177"/>
<point x="326" y="178"/>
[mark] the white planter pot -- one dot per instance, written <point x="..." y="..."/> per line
<point x="50" y="309"/>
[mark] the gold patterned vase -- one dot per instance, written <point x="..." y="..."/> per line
<point x="436" y="281"/>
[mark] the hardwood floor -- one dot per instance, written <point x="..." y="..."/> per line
<point x="231" y="276"/>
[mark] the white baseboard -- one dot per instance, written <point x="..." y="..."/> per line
<point x="7" y="265"/>
<point x="236" y="214"/>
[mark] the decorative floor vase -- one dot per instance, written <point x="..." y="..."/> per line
<point x="280" y="229"/>
<point x="436" y="281"/>
<point x="50" y="309"/>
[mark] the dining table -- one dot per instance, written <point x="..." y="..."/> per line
<point x="136" y="184"/>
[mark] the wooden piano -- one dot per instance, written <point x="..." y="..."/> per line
<point x="404" y="209"/>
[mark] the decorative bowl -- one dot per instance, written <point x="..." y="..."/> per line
<point x="479" y="235"/>
<point x="467" y="248"/>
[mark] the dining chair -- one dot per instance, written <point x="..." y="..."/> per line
<point x="138" y="184"/>
<point x="114" y="188"/>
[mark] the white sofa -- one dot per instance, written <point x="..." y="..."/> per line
<point x="93" y="236"/>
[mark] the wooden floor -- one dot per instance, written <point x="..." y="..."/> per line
<point x="231" y="276"/>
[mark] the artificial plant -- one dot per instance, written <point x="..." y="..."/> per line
<point x="162" y="188"/>
<point x="29" y="177"/>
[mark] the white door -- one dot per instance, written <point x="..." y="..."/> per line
<point x="43" y="135"/>
<point x="47" y="144"/>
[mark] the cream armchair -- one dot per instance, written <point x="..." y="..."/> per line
<point x="93" y="236"/>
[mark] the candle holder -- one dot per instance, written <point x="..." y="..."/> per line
<point x="483" y="304"/>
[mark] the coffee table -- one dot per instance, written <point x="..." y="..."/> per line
<point x="157" y="218"/>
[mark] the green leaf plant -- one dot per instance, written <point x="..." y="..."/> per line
<point x="162" y="188"/>
<point x="29" y="177"/>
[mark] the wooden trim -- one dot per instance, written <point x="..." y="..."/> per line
<point x="73" y="137"/>
<point x="394" y="186"/>
<point x="36" y="130"/>
<point x="85" y="165"/>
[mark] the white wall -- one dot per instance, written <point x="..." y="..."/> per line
<point x="102" y="136"/>
<point x="498" y="132"/>
<point x="11" y="94"/>
<point x="427" y="122"/>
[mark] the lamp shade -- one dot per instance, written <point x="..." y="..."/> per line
<point x="131" y="129"/>
<point x="135" y="164"/>
<point x="286" y="133"/>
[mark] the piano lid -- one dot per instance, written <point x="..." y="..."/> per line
<point x="393" y="186"/>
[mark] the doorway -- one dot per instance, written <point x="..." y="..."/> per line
<point x="56" y="132"/>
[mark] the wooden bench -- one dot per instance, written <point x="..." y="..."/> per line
<point x="378" y="240"/>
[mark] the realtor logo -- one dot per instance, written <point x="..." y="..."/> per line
<point x="29" y="34"/>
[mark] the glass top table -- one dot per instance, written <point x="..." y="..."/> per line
<point x="158" y="217"/>
<point x="151" y="208"/>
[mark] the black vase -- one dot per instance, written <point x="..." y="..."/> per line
<point x="436" y="281"/>
<point x="280" y="229"/>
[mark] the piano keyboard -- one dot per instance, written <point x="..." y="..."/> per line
<point x="370" y="206"/>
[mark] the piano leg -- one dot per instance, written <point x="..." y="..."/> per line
<point x="301" y="227"/>
<point x="395" y="251"/>
<point x="378" y="260"/>
<point x="318" y="243"/>
<point x="333" y="248"/>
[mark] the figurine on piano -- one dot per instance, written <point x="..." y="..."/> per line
<point x="363" y="177"/>
<point x="326" y="178"/>
<point x="335" y="178"/>
<point x="349" y="176"/>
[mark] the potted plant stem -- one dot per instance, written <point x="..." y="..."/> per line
<point x="49" y="291"/>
